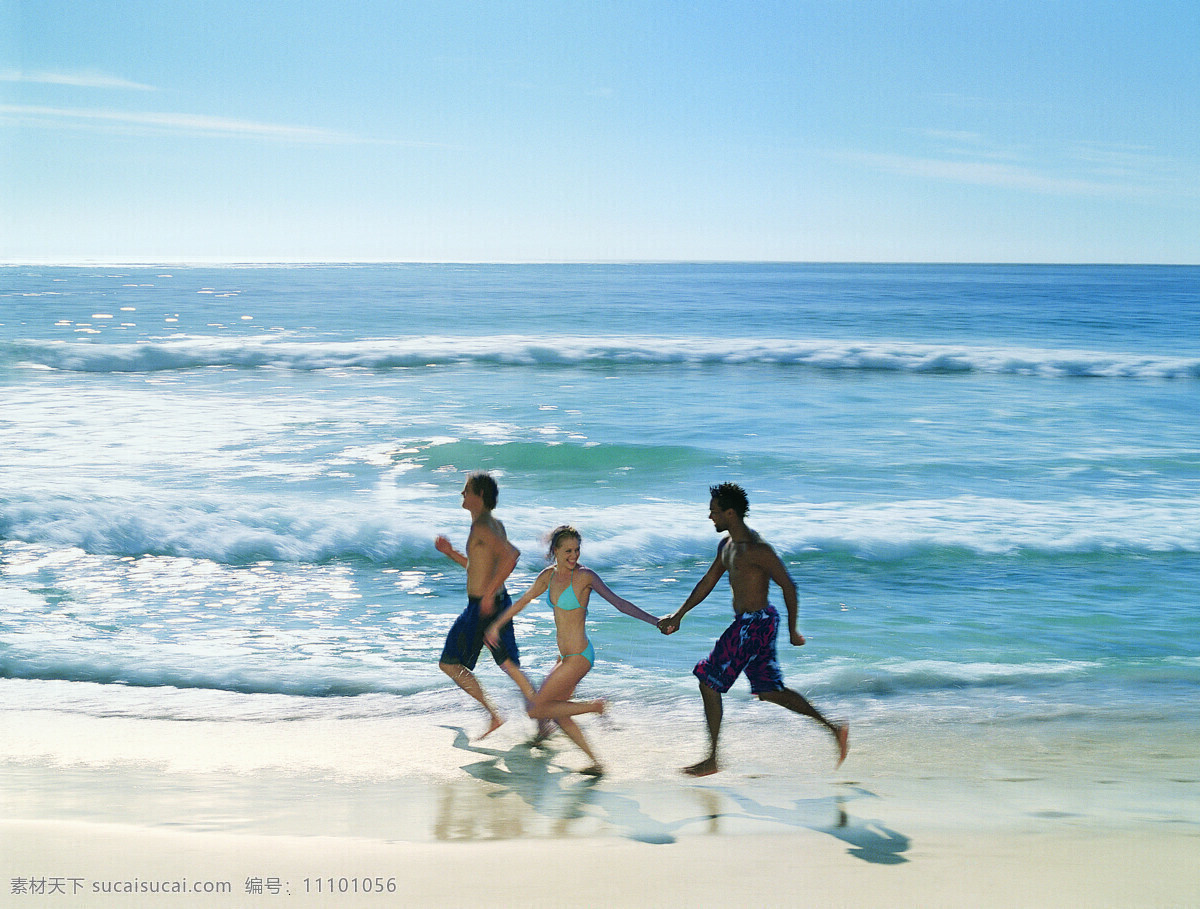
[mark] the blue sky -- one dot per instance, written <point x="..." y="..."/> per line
<point x="812" y="130"/>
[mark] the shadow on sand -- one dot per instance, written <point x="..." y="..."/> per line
<point x="869" y="840"/>
<point x="559" y="802"/>
<point x="568" y="802"/>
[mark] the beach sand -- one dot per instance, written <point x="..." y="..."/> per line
<point x="801" y="869"/>
<point x="110" y="811"/>
<point x="806" y="868"/>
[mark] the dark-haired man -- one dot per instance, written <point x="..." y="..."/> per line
<point x="489" y="560"/>
<point x="748" y="645"/>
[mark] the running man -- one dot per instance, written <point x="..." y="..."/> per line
<point x="748" y="645"/>
<point x="489" y="560"/>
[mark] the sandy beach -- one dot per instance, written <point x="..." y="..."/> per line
<point x="155" y="812"/>
<point x="1091" y="869"/>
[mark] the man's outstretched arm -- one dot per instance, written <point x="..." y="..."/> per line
<point x="670" y="624"/>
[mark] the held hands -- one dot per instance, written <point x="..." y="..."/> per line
<point x="668" y="624"/>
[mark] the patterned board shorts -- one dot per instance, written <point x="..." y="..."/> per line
<point x="748" y="645"/>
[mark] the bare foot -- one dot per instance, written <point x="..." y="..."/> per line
<point x="706" y="767"/>
<point x="497" y="722"/>
<point x="843" y="743"/>
<point x="594" y="770"/>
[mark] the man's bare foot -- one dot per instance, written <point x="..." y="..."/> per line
<point x="594" y="770"/>
<point x="706" y="767"/>
<point x="497" y="722"/>
<point x="843" y="742"/>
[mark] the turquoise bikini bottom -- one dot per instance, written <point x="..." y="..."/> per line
<point x="588" y="653"/>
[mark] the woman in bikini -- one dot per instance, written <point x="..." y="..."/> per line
<point x="570" y="586"/>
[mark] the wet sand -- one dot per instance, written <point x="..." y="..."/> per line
<point x="112" y="812"/>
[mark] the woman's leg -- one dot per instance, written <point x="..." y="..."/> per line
<point x="552" y="702"/>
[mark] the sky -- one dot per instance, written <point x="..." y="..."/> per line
<point x="586" y="130"/>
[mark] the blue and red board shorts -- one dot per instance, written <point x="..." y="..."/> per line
<point x="748" y="645"/>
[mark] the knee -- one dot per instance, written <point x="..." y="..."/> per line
<point x="451" y="669"/>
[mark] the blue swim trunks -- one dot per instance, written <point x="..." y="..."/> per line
<point x="465" y="640"/>
<point x="748" y="645"/>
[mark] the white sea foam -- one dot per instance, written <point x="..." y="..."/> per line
<point x="516" y="350"/>
<point x="242" y="530"/>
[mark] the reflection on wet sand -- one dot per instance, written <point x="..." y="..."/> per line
<point x="527" y="795"/>
<point x="520" y="792"/>
<point x="870" y="840"/>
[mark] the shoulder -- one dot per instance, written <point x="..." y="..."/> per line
<point x="724" y="554"/>
<point x="488" y="529"/>
<point x="760" y="548"/>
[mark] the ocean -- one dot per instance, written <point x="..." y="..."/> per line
<point x="220" y="487"/>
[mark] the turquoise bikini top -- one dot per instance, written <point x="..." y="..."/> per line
<point x="563" y="601"/>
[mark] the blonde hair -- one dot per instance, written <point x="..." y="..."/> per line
<point x="558" y="534"/>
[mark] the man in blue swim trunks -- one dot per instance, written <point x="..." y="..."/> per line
<point x="489" y="560"/>
<point x="748" y="645"/>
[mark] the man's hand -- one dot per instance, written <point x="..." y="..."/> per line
<point x="668" y="624"/>
<point x="444" y="546"/>
<point x="797" y="639"/>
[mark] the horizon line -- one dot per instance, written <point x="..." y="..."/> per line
<point x="279" y="263"/>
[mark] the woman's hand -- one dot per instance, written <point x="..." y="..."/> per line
<point x="669" y="624"/>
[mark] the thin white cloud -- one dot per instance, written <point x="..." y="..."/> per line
<point x="74" y="80"/>
<point x="1087" y="169"/>
<point x="985" y="173"/>
<point x="1126" y="161"/>
<point x="181" y="124"/>
<point x="958" y="143"/>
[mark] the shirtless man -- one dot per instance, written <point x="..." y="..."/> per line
<point x="749" y="643"/>
<point x="489" y="560"/>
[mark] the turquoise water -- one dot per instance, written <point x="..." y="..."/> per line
<point x="219" y="487"/>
